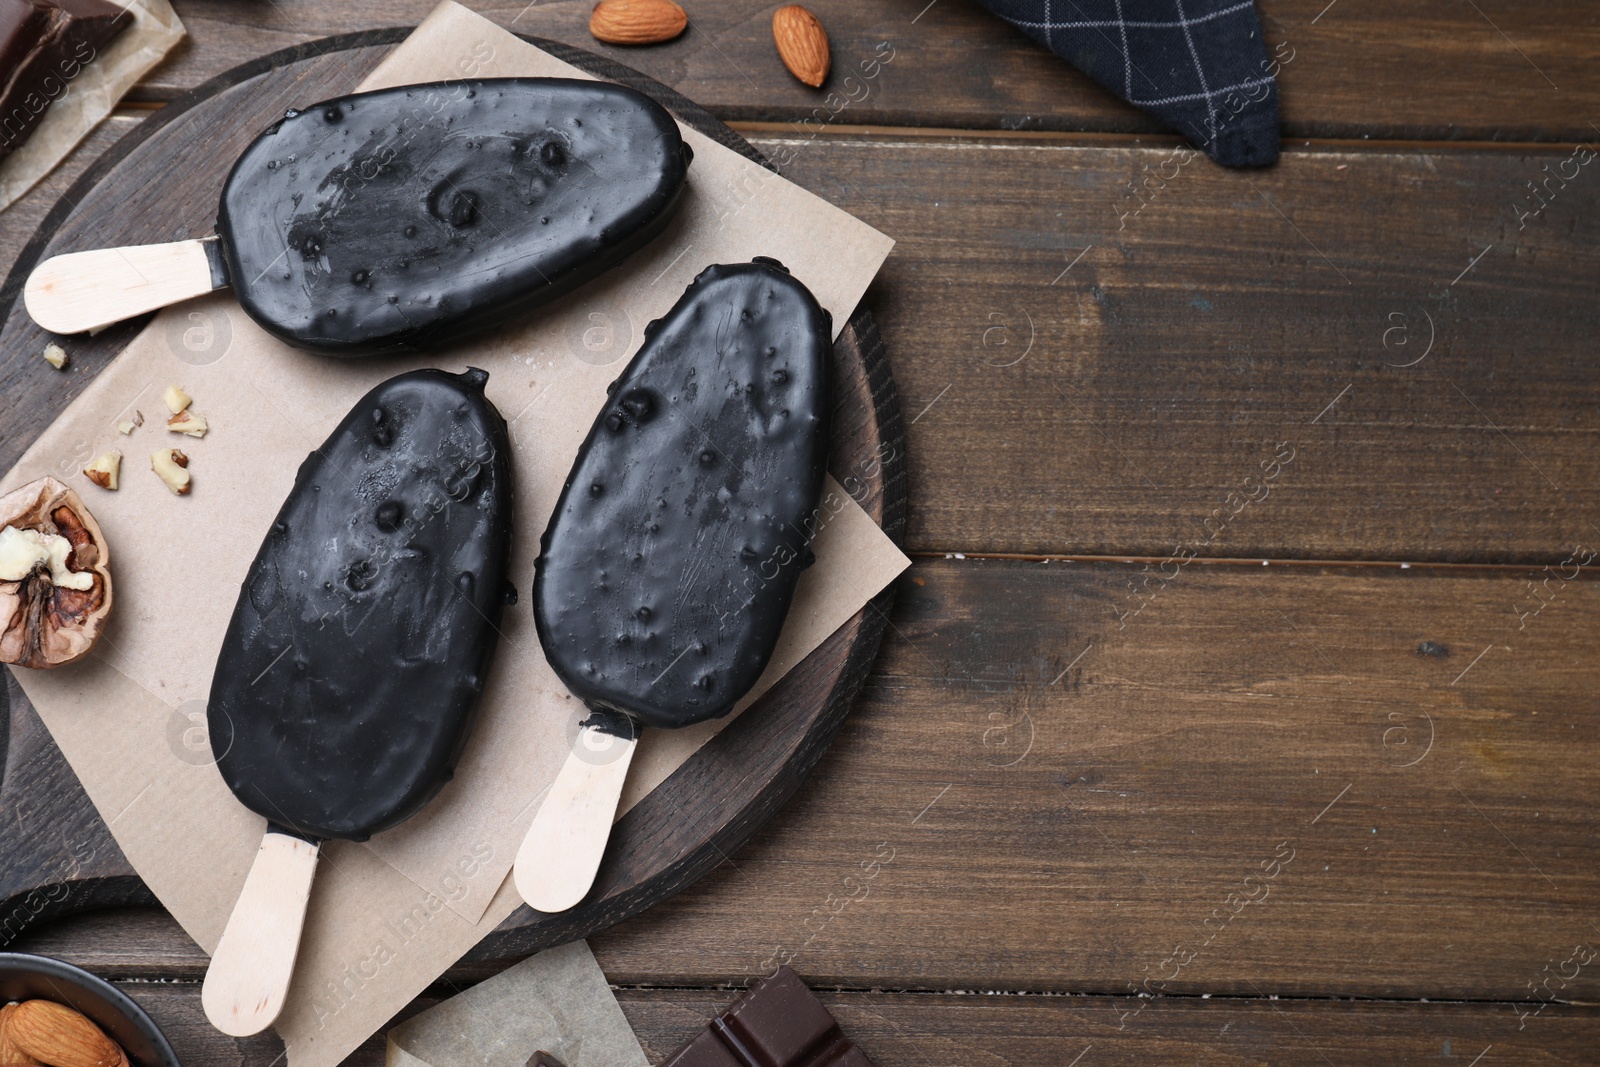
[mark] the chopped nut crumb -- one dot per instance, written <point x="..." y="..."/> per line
<point x="189" y="422"/>
<point x="176" y="399"/>
<point x="127" y="426"/>
<point x="105" y="469"/>
<point x="55" y="355"/>
<point x="169" y="464"/>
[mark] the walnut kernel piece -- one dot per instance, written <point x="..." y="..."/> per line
<point x="24" y="551"/>
<point x="55" y="577"/>
<point x="169" y="464"/>
<point x="127" y="426"/>
<point x="55" y="355"/>
<point x="105" y="469"/>
<point x="176" y="399"/>
<point x="188" y="421"/>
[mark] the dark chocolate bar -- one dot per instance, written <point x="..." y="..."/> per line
<point x="410" y="217"/>
<point x="778" y="1023"/>
<point x="44" y="44"/>
<point x="351" y="670"/>
<point x="667" y="570"/>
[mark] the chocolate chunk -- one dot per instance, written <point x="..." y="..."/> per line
<point x="350" y="673"/>
<point x="779" y="1023"/>
<point x="671" y="560"/>
<point x="408" y="217"/>
<point x="44" y="44"/>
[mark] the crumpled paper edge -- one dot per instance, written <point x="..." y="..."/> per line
<point x="558" y="1001"/>
<point x="91" y="96"/>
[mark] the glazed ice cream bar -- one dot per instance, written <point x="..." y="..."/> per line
<point x="350" y="673"/>
<point x="666" y="572"/>
<point x="407" y="217"/>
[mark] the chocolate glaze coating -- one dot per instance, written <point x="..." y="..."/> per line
<point x="350" y="674"/>
<point x="667" y="569"/>
<point x="408" y="217"/>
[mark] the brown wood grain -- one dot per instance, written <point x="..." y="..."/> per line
<point x="19" y="221"/>
<point x="1074" y="826"/>
<point x="1070" y="801"/>
<point x="916" y="1030"/>
<point x="1036" y="795"/>
<point x="1437" y="68"/>
<point x="897" y="1030"/>
<point x="1231" y="313"/>
<point x="1125" y="402"/>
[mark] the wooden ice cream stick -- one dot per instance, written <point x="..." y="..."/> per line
<point x="248" y="980"/>
<point x="83" y="291"/>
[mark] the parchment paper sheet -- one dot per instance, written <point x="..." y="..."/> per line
<point x="557" y="1001"/>
<point x="91" y="96"/>
<point x="389" y="916"/>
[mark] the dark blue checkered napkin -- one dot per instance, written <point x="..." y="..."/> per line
<point x="1198" y="65"/>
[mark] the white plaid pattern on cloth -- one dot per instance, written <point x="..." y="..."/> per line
<point x="1200" y="66"/>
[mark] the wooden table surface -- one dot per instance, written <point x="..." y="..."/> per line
<point x="1240" y="705"/>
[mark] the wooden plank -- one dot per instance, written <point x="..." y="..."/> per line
<point x="19" y="221"/>
<point x="1193" y="337"/>
<point x="118" y="943"/>
<point x="1296" y="781"/>
<point x="1086" y="372"/>
<point x="899" y="1030"/>
<point x="1436" y="69"/>
<point x="1031" y="794"/>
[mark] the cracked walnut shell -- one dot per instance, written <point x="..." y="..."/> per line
<point x="55" y="577"/>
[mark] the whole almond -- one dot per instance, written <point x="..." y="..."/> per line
<point x="9" y="1052"/>
<point x="637" y="21"/>
<point x="802" y="44"/>
<point x="54" y="1034"/>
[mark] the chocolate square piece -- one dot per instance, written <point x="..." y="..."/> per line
<point x="779" y="1023"/>
<point x="44" y="44"/>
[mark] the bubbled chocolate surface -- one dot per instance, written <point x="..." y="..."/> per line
<point x="666" y="572"/>
<point x="409" y="217"/>
<point x="351" y="670"/>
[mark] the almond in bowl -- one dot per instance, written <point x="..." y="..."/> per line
<point x="56" y="1015"/>
<point x="44" y="1032"/>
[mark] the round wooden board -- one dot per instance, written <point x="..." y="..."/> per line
<point x="161" y="183"/>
